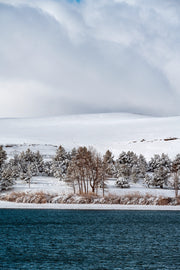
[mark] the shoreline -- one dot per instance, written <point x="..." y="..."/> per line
<point x="119" y="207"/>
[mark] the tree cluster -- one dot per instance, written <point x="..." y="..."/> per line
<point x="86" y="170"/>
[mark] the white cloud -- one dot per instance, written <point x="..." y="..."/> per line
<point x="97" y="56"/>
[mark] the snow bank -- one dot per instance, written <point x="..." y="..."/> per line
<point x="10" y="205"/>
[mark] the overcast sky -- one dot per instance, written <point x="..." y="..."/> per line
<point x="63" y="57"/>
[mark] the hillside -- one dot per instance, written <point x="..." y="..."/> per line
<point x="116" y="131"/>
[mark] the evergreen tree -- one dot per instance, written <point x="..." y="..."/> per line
<point x="3" y="156"/>
<point x="160" y="166"/>
<point x="126" y="165"/>
<point x="159" y="161"/>
<point x="73" y="153"/>
<point x="108" y="159"/>
<point x="160" y="176"/>
<point x="32" y="160"/>
<point x="39" y="162"/>
<point x="15" y="166"/>
<point x="142" y="166"/>
<point x="148" y="180"/>
<point x="60" y="163"/>
<point x="48" y="168"/>
<point x="6" y="178"/>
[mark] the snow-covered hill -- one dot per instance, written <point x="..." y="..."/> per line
<point x="117" y="132"/>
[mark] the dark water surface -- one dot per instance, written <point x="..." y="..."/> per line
<point x="63" y="239"/>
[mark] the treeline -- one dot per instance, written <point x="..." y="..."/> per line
<point x="86" y="170"/>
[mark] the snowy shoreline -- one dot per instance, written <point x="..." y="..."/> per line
<point x="13" y="205"/>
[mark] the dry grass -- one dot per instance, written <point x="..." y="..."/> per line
<point x="22" y="197"/>
<point x="164" y="201"/>
<point x="134" y="198"/>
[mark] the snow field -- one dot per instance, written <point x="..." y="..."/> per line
<point x="117" y="132"/>
<point x="54" y="186"/>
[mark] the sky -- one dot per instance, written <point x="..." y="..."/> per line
<point x="89" y="56"/>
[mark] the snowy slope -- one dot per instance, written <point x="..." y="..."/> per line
<point x="115" y="131"/>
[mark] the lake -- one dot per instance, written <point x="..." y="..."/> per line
<point x="97" y="240"/>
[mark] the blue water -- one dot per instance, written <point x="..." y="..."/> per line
<point x="98" y="240"/>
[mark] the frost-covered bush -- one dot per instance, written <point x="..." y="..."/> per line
<point x="122" y="183"/>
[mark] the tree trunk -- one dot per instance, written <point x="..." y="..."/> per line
<point x="176" y="184"/>
<point x="103" y="188"/>
<point x="84" y="182"/>
<point x="74" y="188"/>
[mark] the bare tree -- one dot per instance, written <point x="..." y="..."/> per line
<point x="176" y="184"/>
<point x="97" y="171"/>
<point x="72" y="175"/>
<point x="77" y="173"/>
<point x="176" y="170"/>
<point x="85" y="170"/>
